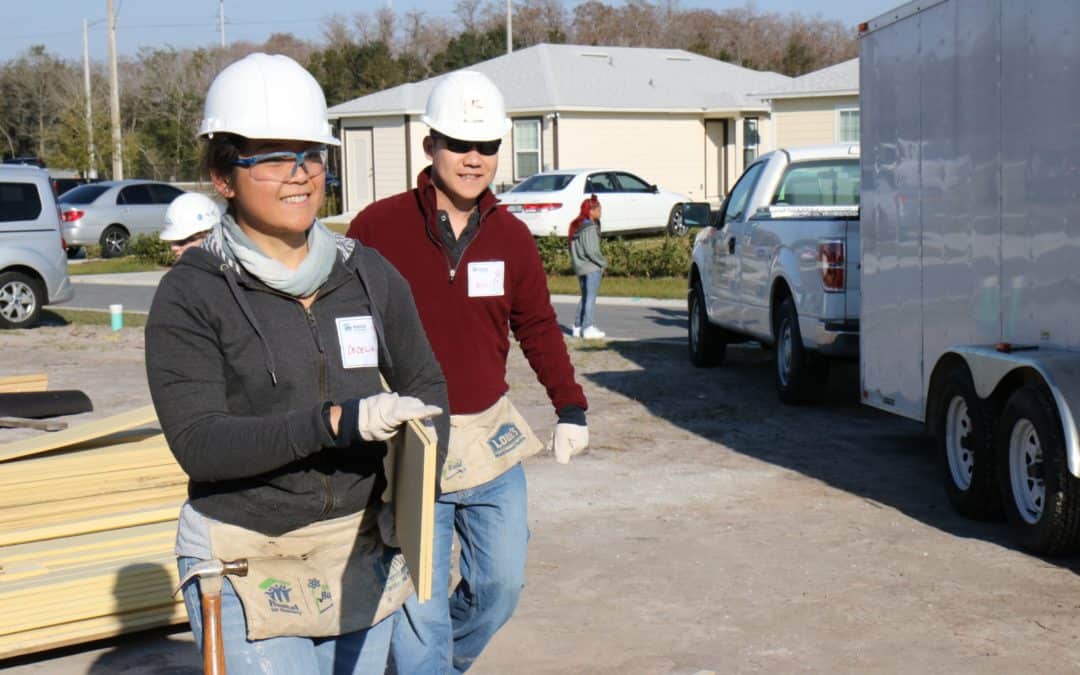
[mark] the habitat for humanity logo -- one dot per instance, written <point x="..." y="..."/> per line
<point x="279" y="595"/>
<point x="506" y="438"/>
<point x="320" y="593"/>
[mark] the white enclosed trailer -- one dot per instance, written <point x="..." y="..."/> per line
<point x="970" y="220"/>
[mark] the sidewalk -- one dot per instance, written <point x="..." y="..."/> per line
<point x="152" y="279"/>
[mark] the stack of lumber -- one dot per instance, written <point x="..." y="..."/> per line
<point x="87" y="521"/>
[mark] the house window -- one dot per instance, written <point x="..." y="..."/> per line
<point x="847" y="125"/>
<point x="750" y="140"/>
<point x="526" y="148"/>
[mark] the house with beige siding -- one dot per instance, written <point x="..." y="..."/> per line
<point x="677" y="119"/>
<point x="818" y="108"/>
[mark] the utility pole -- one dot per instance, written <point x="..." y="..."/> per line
<point x="91" y="172"/>
<point x="114" y="96"/>
<point x="509" y="28"/>
<point x="221" y="21"/>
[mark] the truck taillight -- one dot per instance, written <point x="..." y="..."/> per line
<point x="538" y="208"/>
<point x="72" y="215"/>
<point x="831" y="260"/>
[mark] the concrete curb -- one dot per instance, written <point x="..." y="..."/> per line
<point x="153" y="278"/>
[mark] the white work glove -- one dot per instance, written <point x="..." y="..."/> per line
<point x="568" y="440"/>
<point x="382" y="414"/>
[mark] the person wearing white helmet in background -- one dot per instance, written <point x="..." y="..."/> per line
<point x="264" y="349"/>
<point x="188" y="220"/>
<point x="476" y="274"/>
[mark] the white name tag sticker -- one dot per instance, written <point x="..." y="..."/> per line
<point x="359" y="344"/>
<point x="486" y="278"/>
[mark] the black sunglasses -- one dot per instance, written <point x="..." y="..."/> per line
<point x="456" y="145"/>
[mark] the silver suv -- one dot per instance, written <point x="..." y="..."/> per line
<point x="33" y="258"/>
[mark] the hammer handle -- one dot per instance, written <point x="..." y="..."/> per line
<point x="213" y="645"/>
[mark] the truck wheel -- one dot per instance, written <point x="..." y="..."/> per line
<point x="964" y="435"/>
<point x="705" y="341"/>
<point x="676" y="224"/>
<point x="21" y="298"/>
<point x="1042" y="499"/>
<point x="800" y="375"/>
<point x="114" y="241"/>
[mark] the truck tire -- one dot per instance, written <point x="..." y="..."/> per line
<point x="21" y="299"/>
<point x="1042" y="499"/>
<point x="800" y="375"/>
<point x="704" y="340"/>
<point x="964" y="434"/>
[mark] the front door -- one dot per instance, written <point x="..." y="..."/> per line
<point x="359" y="177"/>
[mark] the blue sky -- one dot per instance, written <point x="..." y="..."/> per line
<point x="57" y="24"/>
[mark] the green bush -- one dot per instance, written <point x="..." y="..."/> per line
<point x="645" y="257"/>
<point x="149" y="248"/>
<point x="92" y="251"/>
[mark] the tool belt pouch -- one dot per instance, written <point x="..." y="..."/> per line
<point x="322" y="580"/>
<point x="484" y="445"/>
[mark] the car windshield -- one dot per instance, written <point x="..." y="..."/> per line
<point x="544" y="183"/>
<point x="84" y="194"/>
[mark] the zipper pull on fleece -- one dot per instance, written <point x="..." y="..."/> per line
<point x="453" y="271"/>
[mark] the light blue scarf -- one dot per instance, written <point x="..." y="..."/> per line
<point x="230" y="242"/>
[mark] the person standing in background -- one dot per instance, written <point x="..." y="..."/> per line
<point x="589" y="265"/>
<point x="188" y="220"/>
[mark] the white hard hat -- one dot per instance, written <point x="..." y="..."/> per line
<point x="467" y="105"/>
<point x="189" y="214"/>
<point x="267" y="96"/>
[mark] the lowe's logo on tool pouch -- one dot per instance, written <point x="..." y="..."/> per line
<point x="278" y="594"/>
<point x="506" y="438"/>
<point x="320" y="593"/>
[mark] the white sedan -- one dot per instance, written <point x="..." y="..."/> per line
<point x="548" y="201"/>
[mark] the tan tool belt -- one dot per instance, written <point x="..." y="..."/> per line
<point x="485" y="445"/>
<point x="326" y="579"/>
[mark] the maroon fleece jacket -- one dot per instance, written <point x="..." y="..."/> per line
<point x="469" y="334"/>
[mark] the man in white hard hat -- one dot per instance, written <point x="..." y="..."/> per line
<point x="476" y="274"/>
<point x="188" y="220"/>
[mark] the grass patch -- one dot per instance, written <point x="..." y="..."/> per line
<point x="113" y="266"/>
<point x="624" y="287"/>
<point x="87" y="317"/>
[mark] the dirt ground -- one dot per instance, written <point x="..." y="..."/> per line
<point x="710" y="528"/>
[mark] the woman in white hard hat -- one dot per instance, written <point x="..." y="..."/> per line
<point x="264" y="349"/>
<point x="188" y="220"/>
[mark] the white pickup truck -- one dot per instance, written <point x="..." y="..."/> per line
<point x="780" y="265"/>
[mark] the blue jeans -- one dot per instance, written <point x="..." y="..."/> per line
<point x="363" y="652"/>
<point x="447" y="635"/>
<point x="590" y="288"/>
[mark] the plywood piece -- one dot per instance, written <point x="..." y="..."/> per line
<point x="80" y="434"/>
<point x="415" y="461"/>
<point x="17" y="384"/>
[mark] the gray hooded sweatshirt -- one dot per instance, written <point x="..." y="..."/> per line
<point x="585" y="249"/>
<point x="241" y="376"/>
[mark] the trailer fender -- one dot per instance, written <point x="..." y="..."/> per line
<point x="1058" y="369"/>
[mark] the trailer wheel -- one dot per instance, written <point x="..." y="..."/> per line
<point x="704" y="340"/>
<point x="1042" y="499"/>
<point x="964" y="434"/>
<point x="800" y="375"/>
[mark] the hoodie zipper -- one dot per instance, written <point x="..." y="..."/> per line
<point x="313" y="325"/>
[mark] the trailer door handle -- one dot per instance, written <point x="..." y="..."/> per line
<point x="731" y="245"/>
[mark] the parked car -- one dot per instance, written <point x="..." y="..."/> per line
<point x="111" y="212"/>
<point x="33" y="264"/>
<point x="548" y="201"/>
<point x="780" y="265"/>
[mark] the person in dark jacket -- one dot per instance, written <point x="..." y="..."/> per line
<point x="264" y="349"/>
<point x="477" y="276"/>
<point x="589" y="264"/>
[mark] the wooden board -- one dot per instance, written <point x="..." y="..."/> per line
<point x="414" y="502"/>
<point x="15" y="384"/>
<point x="80" y="434"/>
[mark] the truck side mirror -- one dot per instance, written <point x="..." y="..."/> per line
<point x="697" y="214"/>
